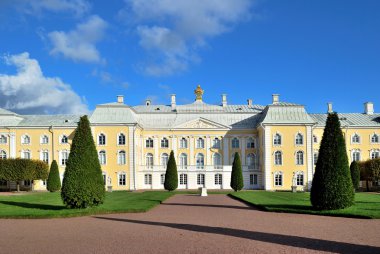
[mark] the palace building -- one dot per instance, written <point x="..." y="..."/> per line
<point x="278" y="143"/>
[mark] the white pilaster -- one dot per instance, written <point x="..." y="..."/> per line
<point x="174" y="145"/>
<point x="226" y="154"/>
<point x="12" y="145"/>
<point x="156" y="155"/>
<point x="309" y="154"/>
<point x="191" y="146"/>
<point x="132" y="164"/>
<point x="243" y="145"/>
<point x="267" y="159"/>
<point x="208" y="151"/>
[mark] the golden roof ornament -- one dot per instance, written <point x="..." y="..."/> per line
<point x="198" y="93"/>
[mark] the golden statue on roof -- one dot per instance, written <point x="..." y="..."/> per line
<point x="198" y="93"/>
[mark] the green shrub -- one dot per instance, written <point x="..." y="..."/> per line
<point x="237" y="182"/>
<point x="355" y="174"/>
<point x="171" y="175"/>
<point x="83" y="181"/>
<point x="53" y="181"/>
<point x="332" y="186"/>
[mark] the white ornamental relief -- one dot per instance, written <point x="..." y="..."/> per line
<point x="199" y="125"/>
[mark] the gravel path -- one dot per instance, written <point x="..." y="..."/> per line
<point x="192" y="224"/>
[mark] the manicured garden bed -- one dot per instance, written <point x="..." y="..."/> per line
<point x="367" y="205"/>
<point x="49" y="205"/>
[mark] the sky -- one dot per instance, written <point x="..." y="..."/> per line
<point x="67" y="56"/>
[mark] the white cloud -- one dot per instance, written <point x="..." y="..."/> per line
<point x="30" y="92"/>
<point x="78" y="7"/>
<point x="174" y="30"/>
<point x="80" y="44"/>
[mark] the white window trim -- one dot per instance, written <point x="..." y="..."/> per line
<point x="117" y="139"/>
<point x="253" y="141"/>
<point x="274" y="158"/>
<point x="354" y="151"/>
<point x="161" y="143"/>
<point x="282" y="141"/>
<point x="180" y="143"/>
<point x="119" y="173"/>
<point x="296" y="175"/>
<point x="295" y="139"/>
<point x="6" y="139"/>
<point x="22" y="139"/>
<point x="315" y="142"/>
<point x="352" y="139"/>
<point x="370" y="138"/>
<point x="274" y="178"/>
<point x="146" y="139"/>
<point x="105" y="139"/>
<point x="61" y="157"/>
<point x="60" y="139"/>
<point x="26" y="150"/>
<point x="303" y="158"/>
<point x="373" y="151"/>
<point x="42" y="152"/>
<point x="118" y="157"/>
<point x="232" y="142"/>
<point x="146" y="159"/>
<point x="42" y="138"/>
<point x="105" y="157"/>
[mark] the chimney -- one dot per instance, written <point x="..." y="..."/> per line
<point x="148" y="102"/>
<point x="120" y="99"/>
<point x="224" y="100"/>
<point x="330" y="107"/>
<point x="368" y="108"/>
<point x="275" y="98"/>
<point x="173" y="101"/>
<point x="249" y="102"/>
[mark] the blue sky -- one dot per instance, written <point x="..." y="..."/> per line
<point x="66" y="56"/>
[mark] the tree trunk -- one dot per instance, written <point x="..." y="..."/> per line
<point x="18" y="186"/>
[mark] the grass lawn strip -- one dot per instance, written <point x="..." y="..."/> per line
<point x="367" y="205"/>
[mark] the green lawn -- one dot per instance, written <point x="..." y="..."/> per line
<point x="48" y="205"/>
<point x="367" y="205"/>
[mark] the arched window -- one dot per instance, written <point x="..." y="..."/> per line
<point x="217" y="160"/>
<point x="164" y="143"/>
<point x="102" y="139"/>
<point x="375" y="138"/>
<point x="315" y="139"/>
<point x="102" y="157"/>
<point x="121" y="158"/>
<point x="235" y="143"/>
<point x="356" y="139"/>
<point x="299" y="158"/>
<point x="25" y="154"/>
<point x="277" y="158"/>
<point x="216" y="143"/>
<point x="64" y="139"/>
<point x="375" y="154"/>
<point x="3" y="154"/>
<point x="44" y="139"/>
<point x="3" y="139"/>
<point x="149" y="160"/>
<point x="25" y="139"/>
<point x="183" y="143"/>
<point x="149" y="143"/>
<point x="278" y="178"/>
<point x="164" y="159"/>
<point x="251" y="161"/>
<point x="250" y="143"/>
<point x="200" y="160"/>
<point x="45" y="156"/>
<point x="356" y="155"/>
<point x="183" y="160"/>
<point x="200" y="143"/>
<point x="121" y="139"/>
<point x="299" y="139"/>
<point x="315" y="158"/>
<point x="277" y="139"/>
<point x="299" y="179"/>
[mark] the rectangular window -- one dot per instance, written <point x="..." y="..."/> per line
<point x="278" y="179"/>
<point x="65" y="156"/>
<point x="149" y="143"/>
<point x="201" y="179"/>
<point x="104" y="179"/>
<point x="122" y="179"/>
<point x="251" y="179"/>
<point x="45" y="157"/>
<point x="148" y="179"/>
<point x="255" y="179"/>
<point x="183" y="179"/>
<point x="216" y="143"/>
<point x="162" y="178"/>
<point x="218" y="179"/>
<point x="300" y="180"/>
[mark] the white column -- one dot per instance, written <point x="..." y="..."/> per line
<point x="142" y="161"/>
<point x="132" y="164"/>
<point x="226" y="154"/>
<point x="208" y="151"/>
<point x="243" y="145"/>
<point x="174" y="145"/>
<point x="191" y="145"/>
<point x="156" y="143"/>
<point x="267" y="159"/>
<point x="12" y="147"/>
<point x="309" y="154"/>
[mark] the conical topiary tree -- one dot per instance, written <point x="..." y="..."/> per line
<point x="53" y="181"/>
<point x="171" y="175"/>
<point x="355" y="174"/>
<point x="83" y="181"/>
<point x="237" y="182"/>
<point x="332" y="186"/>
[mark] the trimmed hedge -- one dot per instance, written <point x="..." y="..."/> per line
<point x="237" y="182"/>
<point x="332" y="186"/>
<point x="355" y="174"/>
<point x="54" y="181"/>
<point x="23" y="169"/>
<point x="171" y="175"/>
<point x="83" y="181"/>
<point x="369" y="170"/>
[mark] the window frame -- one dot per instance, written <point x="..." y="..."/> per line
<point x="102" y="140"/>
<point x="235" y="143"/>
<point x="277" y="139"/>
<point x="121" y="139"/>
<point x="300" y="161"/>
<point x="278" y="178"/>
<point x="299" y="139"/>
<point x="280" y="158"/>
<point x="164" y="143"/>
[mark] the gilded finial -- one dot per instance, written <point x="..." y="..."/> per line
<point x="198" y="93"/>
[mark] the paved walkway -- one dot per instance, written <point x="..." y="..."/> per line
<point x="192" y="224"/>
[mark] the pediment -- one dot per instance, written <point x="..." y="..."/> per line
<point x="201" y="123"/>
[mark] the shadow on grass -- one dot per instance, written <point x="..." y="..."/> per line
<point x="289" y="207"/>
<point x="207" y="205"/>
<point x="287" y="240"/>
<point x="33" y="206"/>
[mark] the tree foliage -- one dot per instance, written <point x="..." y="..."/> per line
<point x="237" y="182"/>
<point x="355" y="174"/>
<point x="53" y="181"/>
<point x="83" y="181"/>
<point x="332" y="186"/>
<point x="171" y="175"/>
<point x="369" y="171"/>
